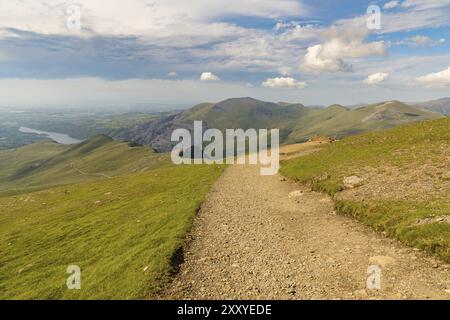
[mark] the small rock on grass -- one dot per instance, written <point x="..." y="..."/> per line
<point x="352" y="182"/>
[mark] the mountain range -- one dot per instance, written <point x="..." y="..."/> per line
<point x="296" y="122"/>
<point x="440" y="105"/>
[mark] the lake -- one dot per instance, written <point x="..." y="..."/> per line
<point x="58" y="137"/>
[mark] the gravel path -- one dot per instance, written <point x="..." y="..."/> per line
<point x="258" y="237"/>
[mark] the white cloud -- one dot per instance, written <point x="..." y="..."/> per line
<point x="209" y="76"/>
<point x="391" y="4"/>
<point x="421" y="40"/>
<point x="428" y="4"/>
<point x="136" y="17"/>
<point x="315" y="61"/>
<point x="172" y="74"/>
<point x="376" y="78"/>
<point x="340" y="44"/>
<point x="284" y="82"/>
<point x="436" y="79"/>
<point x="182" y="33"/>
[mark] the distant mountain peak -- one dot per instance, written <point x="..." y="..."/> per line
<point x="296" y="122"/>
<point x="440" y="105"/>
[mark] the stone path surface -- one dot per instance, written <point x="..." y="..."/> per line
<point x="259" y="237"/>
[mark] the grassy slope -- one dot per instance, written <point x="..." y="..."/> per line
<point x="406" y="146"/>
<point x="112" y="229"/>
<point x="48" y="164"/>
<point x="298" y="123"/>
<point x="13" y="160"/>
<point x="245" y="113"/>
<point x="339" y="121"/>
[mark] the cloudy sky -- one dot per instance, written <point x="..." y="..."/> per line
<point x="105" y="53"/>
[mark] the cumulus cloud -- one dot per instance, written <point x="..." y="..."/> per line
<point x="391" y="4"/>
<point x="209" y="76"/>
<point x="340" y="44"/>
<point x="283" y="82"/>
<point x="436" y="79"/>
<point x="376" y="78"/>
<point x="315" y="60"/>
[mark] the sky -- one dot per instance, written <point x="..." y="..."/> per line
<point x="90" y="53"/>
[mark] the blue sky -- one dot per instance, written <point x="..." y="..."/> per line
<point x="121" y="53"/>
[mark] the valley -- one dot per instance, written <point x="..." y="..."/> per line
<point x="122" y="230"/>
<point x="133" y="220"/>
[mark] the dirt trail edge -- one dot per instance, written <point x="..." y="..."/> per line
<point x="257" y="237"/>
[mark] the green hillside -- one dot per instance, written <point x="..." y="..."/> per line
<point x="47" y="164"/>
<point x="118" y="212"/>
<point x="296" y="122"/>
<point x="122" y="232"/>
<point x="406" y="181"/>
<point x="245" y="113"/>
<point x="338" y="121"/>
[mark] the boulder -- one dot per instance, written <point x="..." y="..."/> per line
<point x="352" y="182"/>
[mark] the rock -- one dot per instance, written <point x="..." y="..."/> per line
<point x="352" y="182"/>
<point x="295" y="194"/>
<point x="282" y="179"/>
<point x="382" y="261"/>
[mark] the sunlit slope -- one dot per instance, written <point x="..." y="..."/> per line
<point x="48" y="164"/>
<point x="122" y="232"/>
<point x="406" y="181"/>
<point x="296" y="122"/>
<point x="338" y="121"/>
<point x="15" y="161"/>
<point x="246" y="113"/>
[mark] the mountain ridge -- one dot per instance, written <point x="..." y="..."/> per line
<point x="440" y="105"/>
<point x="296" y="122"/>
